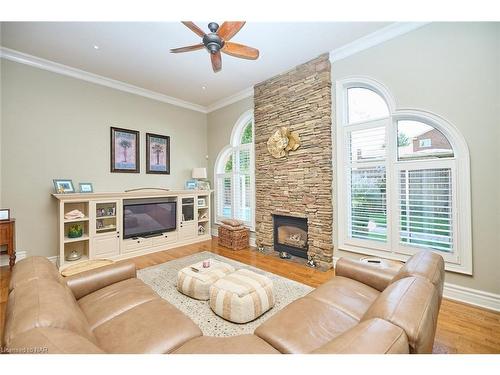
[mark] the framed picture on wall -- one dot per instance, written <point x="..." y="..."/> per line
<point x="124" y="150"/>
<point x="157" y="154"/>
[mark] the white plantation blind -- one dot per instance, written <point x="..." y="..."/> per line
<point x="367" y="144"/>
<point x="243" y="188"/>
<point x="367" y="185"/>
<point x="425" y="198"/>
<point x="368" y="219"/>
<point x="224" y="191"/>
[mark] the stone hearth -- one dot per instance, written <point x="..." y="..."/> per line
<point x="299" y="184"/>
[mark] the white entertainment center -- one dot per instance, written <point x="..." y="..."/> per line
<point x="103" y="223"/>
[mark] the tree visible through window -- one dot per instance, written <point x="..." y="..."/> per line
<point x="399" y="190"/>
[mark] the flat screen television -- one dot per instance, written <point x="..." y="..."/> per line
<point x="148" y="217"/>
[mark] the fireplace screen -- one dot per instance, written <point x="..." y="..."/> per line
<point x="290" y="235"/>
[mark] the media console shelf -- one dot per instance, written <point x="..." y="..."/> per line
<point x="103" y="226"/>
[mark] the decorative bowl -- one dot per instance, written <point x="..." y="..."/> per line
<point x="73" y="255"/>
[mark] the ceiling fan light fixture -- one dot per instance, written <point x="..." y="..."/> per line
<point x="217" y="41"/>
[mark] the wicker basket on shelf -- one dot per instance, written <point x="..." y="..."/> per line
<point x="233" y="235"/>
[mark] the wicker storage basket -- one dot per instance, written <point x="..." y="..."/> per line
<point x="235" y="238"/>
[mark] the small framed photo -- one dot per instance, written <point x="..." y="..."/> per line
<point x="202" y="202"/>
<point x="191" y="184"/>
<point x="4" y="214"/>
<point x="124" y="150"/>
<point x="157" y="154"/>
<point x="86" y="187"/>
<point x="63" y="186"/>
<point x="203" y="185"/>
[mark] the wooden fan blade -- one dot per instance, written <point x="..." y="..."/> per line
<point x="229" y="29"/>
<point x="216" y="61"/>
<point x="187" y="48"/>
<point x="194" y="28"/>
<point x="240" y="50"/>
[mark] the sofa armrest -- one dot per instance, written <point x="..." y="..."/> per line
<point x="90" y="281"/>
<point x="371" y="275"/>
<point x="374" y="336"/>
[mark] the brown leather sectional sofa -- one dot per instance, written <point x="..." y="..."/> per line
<point x="363" y="309"/>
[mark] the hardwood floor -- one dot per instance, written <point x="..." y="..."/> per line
<point x="461" y="328"/>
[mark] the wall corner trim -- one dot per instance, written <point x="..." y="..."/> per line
<point x="373" y="39"/>
<point x="246" y="93"/>
<point x="37" y="62"/>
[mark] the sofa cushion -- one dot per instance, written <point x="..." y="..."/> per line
<point x="52" y="341"/>
<point x="33" y="268"/>
<point x="151" y="327"/>
<point x="347" y="295"/>
<point x="106" y="303"/>
<point x="411" y="303"/>
<point x="43" y="303"/>
<point x="304" y="325"/>
<point x="243" y="344"/>
<point x="374" y="336"/>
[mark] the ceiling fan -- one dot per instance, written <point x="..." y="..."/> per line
<point x="217" y="41"/>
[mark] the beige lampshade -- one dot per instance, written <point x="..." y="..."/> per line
<point x="199" y="173"/>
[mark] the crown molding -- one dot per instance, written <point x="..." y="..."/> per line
<point x="37" y="62"/>
<point x="248" y="92"/>
<point x="377" y="37"/>
<point x="387" y="33"/>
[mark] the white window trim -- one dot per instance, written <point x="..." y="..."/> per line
<point x="461" y="261"/>
<point x="232" y="149"/>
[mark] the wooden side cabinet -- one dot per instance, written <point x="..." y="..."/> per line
<point x="7" y="238"/>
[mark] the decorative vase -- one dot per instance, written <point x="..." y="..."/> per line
<point x="75" y="231"/>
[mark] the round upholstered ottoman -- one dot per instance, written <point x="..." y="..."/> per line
<point x="241" y="296"/>
<point x="195" y="280"/>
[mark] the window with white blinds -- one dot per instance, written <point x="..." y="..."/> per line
<point x="425" y="200"/>
<point x="405" y="181"/>
<point x="234" y="174"/>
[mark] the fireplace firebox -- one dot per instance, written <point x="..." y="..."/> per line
<point x="290" y="235"/>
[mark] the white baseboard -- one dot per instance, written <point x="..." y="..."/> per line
<point x="4" y="258"/>
<point x="54" y="259"/>
<point x="251" y="239"/>
<point x="487" y="300"/>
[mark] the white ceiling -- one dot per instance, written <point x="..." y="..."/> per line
<point x="138" y="52"/>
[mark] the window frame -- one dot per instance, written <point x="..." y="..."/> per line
<point x="234" y="147"/>
<point x="461" y="259"/>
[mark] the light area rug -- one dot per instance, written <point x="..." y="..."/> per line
<point x="163" y="278"/>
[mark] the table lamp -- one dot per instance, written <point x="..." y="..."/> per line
<point x="199" y="173"/>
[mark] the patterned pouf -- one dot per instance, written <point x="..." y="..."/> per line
<point x="196" y="284"/>
<point x="241" y="296"/>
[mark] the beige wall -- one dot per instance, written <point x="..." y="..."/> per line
<point x="452" y="70"/>
<point x="220" y="124"/>
<point x="54" y="126"/>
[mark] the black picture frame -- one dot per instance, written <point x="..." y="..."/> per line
<point x="4" y="214"/>
<point x="156" y="141"/>
<point x="128" y="137"/>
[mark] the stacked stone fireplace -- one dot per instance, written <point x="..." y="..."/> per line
<point x="298" y="186"/>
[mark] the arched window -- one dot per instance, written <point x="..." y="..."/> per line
<point x="234" y="174"/>
<point x="403" y="179"/>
